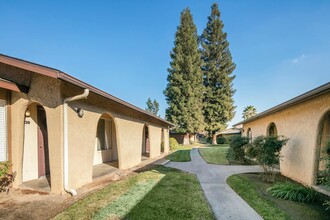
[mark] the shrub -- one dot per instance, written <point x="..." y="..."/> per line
<point x="209" y="140"/>
<point x="324" y="177"/>
<point x="293" y="191"/>
<point x="231" y="155"/>
<point x="221" y="140"/>
<point x="6" y="177"/>
<point x="173" y="144"/>
<point x="229" y="139"/>
<point x="266" y="151"/>
<point x="327" y="204"/>
<point x="236" y="150"/>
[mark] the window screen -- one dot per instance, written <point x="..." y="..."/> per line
<point x="3" y="131"/>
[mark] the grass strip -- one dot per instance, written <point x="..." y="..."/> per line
<point x="215" y="155"/>
<point x="179" y="156"/>
<point x="247" y="191"/>
<point x="119" y="208"/>
<point x="161" y="193"/>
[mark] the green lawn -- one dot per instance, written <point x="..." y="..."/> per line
<point x="215" y="155"/>
<point x="179" y="156"/>
<point x="160" y="193"/>
<point x="254" y="191"/>
<point x="217" y="145"/>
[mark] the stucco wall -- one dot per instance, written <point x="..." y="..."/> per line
<point x="50" y="93"/>
<point x="30" y="149"/>
<point x="127" y="132"/>
<point x="299" y="123"/>
<point x="166" y="141"/>
<point x="44" y="91"/>
<point x="155" y="134"/>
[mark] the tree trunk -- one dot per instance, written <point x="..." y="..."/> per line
<point x="214" y="139"/>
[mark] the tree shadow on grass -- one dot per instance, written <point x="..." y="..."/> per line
<point x="177" y="196"/>
<point x="165" y="193"/>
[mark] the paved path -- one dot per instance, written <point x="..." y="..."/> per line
<point x="225" y="203"/>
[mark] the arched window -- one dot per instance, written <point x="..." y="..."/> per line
<point x="162" y="141"/>
<point x="272" y="130"/>
<point x="104" y="134"/>
<point x="323" y="141"/>
<point x="145" y="142"/>
<point x="105" y="141"/>
<point x="249" y="134"/>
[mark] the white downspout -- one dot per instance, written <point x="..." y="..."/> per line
<point x="65" y="140"/>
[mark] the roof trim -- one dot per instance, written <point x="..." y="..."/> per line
<point x="33" y="67"/>
<point x="54" y="73"/>
<point x="8" y="85"/>
<point x="79" y="83"/>
<point x="294" y="101"/>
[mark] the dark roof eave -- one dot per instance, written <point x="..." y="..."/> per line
<point x="54" y="73"/>
<point x="301" y="98"/>
<point x="72" y="80"/>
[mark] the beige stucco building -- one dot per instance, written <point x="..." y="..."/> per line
<point x="306" y="121"/>
<point x="57" y="127"/>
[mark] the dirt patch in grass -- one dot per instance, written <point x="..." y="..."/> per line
<point x="31" y="204"/>
<point x="252" y="189"/>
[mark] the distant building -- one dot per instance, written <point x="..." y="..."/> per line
<point x="231" y="132"/>
<point x="183" y="138"/>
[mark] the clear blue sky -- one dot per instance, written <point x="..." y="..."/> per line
<point x="281" y="48"/>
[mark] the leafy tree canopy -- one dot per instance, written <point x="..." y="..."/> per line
<point x="249" y="112"/>
<point x="152" y="107"/>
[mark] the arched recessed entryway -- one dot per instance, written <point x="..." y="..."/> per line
<point x="105" y="150"/>
<point x="323" y="139"/>
<point x="162" y="142"/>
<point x="272" y="130"/>
<point x="145" y="142"/>
<point x="35" y="148"/>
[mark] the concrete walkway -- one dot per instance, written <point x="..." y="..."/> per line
<point x="225" y="203"/>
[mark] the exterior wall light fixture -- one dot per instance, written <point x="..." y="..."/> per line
<point x="27" y="113"/>
<point x="80" y="112"/>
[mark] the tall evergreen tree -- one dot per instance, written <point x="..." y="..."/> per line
<point x="184" y="91"/>
<point x="217" y="68"/>
<point x="152" y="107"/>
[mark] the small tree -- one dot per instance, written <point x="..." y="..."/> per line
<point x="173" y="144"/>
<point x="152" y="107"/>
<point x="266" y="151"/>
<point x="6" y="176"/>
<point x="249" y="112"/>
<point x="236" y="150"/>
<point x="326" y="159"/>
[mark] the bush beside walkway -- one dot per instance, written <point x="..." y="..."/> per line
<point x="254" y="191"/>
